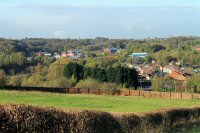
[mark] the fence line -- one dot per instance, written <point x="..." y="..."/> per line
<point x="123" y="92"/>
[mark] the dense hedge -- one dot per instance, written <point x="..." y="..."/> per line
<point x="21" y="119"/>
<point x="24" y="118"/>
<point x="42" y="89"/>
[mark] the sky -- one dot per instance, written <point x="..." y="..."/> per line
<point x="99" y="18"/>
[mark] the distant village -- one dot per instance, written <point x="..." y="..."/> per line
<point x="145" y="71"/>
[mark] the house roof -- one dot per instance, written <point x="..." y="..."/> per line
<point x="113" y="49"/>
<point x="197" y="49"/>
<point x="148" y="70"/>
<point x="171" y="67"/>
<point x="177" y="76"/>
<point x="136" y="55"/>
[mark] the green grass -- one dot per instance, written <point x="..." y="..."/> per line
<point x="92" y="102"/>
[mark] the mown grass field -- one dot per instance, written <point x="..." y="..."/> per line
<point x="92" y="102"/>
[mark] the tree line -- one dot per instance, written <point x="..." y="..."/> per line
<point x="120" y="75"/>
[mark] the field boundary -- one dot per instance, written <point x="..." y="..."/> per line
<point x="122" y="92"/>
<point x="26" y="118"/>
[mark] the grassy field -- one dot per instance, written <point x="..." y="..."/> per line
<point x="92" y="102"/>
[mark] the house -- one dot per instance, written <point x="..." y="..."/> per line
<point x="153" y="62"/>
<point x="40" y="53"/>
<point x="57" y="56"/>
<point x="75" y="54"/>
<point x="110" y="50"/>
<point x="147" y="72"/>
<point x="179" y="80"/>
<point x="178" y="76"/>
<point x="47" y="54"/>
<point x="64" y="54"/>
<point x="169" y="69"/>
<point x="139" y="55"/>
<point x="71" y="53"/>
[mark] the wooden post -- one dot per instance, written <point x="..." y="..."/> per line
<point x="185" y="86"/>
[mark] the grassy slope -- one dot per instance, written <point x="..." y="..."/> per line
<point x="104" y="103"/>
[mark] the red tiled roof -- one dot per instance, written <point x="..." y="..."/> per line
<point x="177" y="76"/>
<point x="197" y="49"/>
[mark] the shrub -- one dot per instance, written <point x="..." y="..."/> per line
<point x="36" y="80"/>
<point x="71" y="82"/>
<point x="193" y="83"/>
<point x="158" y="83"/>
<point x="109" y="86"/>
<point x="15" y="80"/>
<point x="88" y="84"/>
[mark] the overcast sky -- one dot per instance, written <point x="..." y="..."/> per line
<point x="99" y="18"/>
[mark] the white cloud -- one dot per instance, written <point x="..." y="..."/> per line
<point x="60" y="34"/>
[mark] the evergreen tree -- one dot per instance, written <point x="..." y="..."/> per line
<point x="74" y="69"/>
<point x="101" y="75"/>
<point x="118" y="76"/>
<point x="87" y="72"/>
<point x="110" y="73"/>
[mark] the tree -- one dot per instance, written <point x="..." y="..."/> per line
<point x="55" y="72"/>
<point x="101" y="75"/>
<point x="110" y="73"/>
<point x="38" y="68"/>
<point x="119" y="75"/>
<point x="158" y="83"/>
<point x="132" y="78"/>
<point x="3" y="78"/>
<point x="193" y="83"/>
<point x="87" y="72"/>
<point x="73" y="69"/>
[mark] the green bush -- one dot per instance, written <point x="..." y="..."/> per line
<point x="88" y="84"/>
<point x="109" y="86"/>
